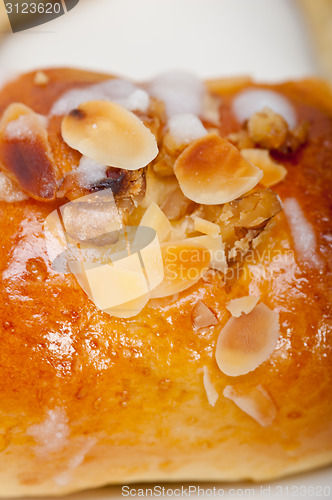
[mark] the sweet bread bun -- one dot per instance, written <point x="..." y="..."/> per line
<point x="197" y="385"/>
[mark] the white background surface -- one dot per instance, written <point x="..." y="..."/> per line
<point x="139" y="38"/>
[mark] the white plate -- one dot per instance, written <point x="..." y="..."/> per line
<point x="139" y="38"/>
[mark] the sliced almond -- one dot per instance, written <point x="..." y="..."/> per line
<point x="246" y="342"/>
<point x="273" y="172"/>
<point x="211" y="393"/>
<point x="158" y="188"/>
<point x="109" y="134"/>
<point x="184" y="264"/>
<point x="113" y="285"/>
<point x="206" y="227"/>
<point x="216" y="248"/>
<point x="124" y="310"/>
<point x="242" y="305"/>
<point x="202" y="316"/>
<point x="41" y="78"/>
<point x="25" y="153"/>
<point x="211" y="171"/>
<point x="9" y="190"/>
<point x="228" y="85"/>
<point x="155" y="218"/>
<point x="129" y="309"/>
<point x="255" y="402"/>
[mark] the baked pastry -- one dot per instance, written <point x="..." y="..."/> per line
<point x="219" y="372"/>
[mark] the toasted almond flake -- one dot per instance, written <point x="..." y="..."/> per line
<point x="202" y="316"/>
<point x="211" y="393"/>
<point x="158" y="188"/>
<point x="113" y="285"/>
<point x="273" y="172"/>
<point x="216" y="248"/>
<point x="91" y="216"/>
<point x="229" y="84"/>
<point x="185" y="262"/>
<point x="129" y="309"/>
<point x="206" y="227"/>
<point x="109" y="134"/>
<point x="242" y="305"/>
<point x="155" y="218"/>
<point x="211" y="171"/>
<point x="211" y="108"/>
<point x="41" y="78"/>
<point x="25" y="154"/>
<point x="9" y="190"/>
<point x="255" y="401"/>
<point x="246" y="342"/>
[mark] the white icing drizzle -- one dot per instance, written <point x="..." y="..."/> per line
<point x="252" y="101"/>
<point x="89" y="172"/>
<point x="75" y="461"/>
<point x="186" y="128"/>
<point x="120" y="91"/>
<point x="302" y="232"/>
<point x="52" y="434"/>
<point x="21" y="127"/>
<point x="181" y="92"/>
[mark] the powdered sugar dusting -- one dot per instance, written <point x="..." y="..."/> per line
<point x="21" y="128"/>
<point x="120" y="91"/>
<point x="139" y="100"/>
<point x="302" y="232"/>
<point x="9" y="191"/>
<point x="52" y="434"/>
<point x="181" y="92"/>
<point x="186" y="128"/>
<point x="76" y="460"/>
<point x="90" y="172"/>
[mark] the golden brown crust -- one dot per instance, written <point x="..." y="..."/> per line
<point x="131" y="391"/>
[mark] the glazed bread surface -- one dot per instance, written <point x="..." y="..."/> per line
<point x="89" y="399"/>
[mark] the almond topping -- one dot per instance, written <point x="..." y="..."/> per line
<point x="185" y="262"/>
<point x="118" y="277"/>
<point x="206" y="227"/>
<point x="41" y="78"/>
<point x="211" y="171"/>
<point x="108" y="133"/>
<point x="246" y="342"/>
<point x="255" y="401"/>
<point x="210" y="390"/>
<point x="25" y="153"/>
<point x="9" y="190"/>
<point x="154" y="217"/>
<point x="202" y="316"/>
<point x="217" y="251"/>
<point x="273" y="172"/>
<point x="242" y="305"/>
